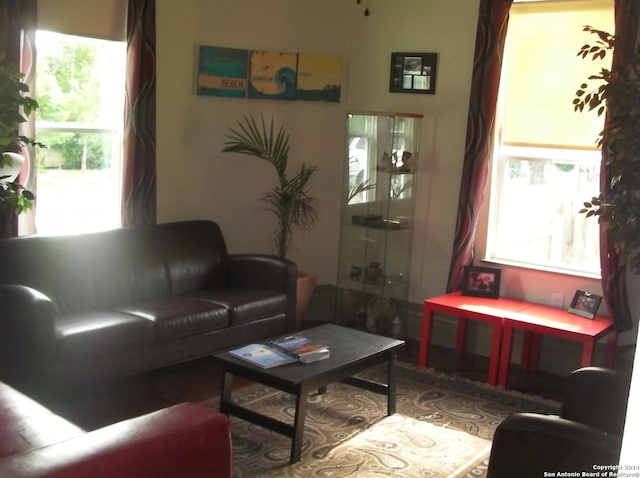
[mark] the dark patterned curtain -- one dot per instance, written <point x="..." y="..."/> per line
<point x="139" y="180"/>
<point x="18" y="20"/>
<point x="614" y="285"/>
<point x="492" y="28"/>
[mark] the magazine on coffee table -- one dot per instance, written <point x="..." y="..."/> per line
<point x="302" y="348"/>
<point x="263" y="356"/>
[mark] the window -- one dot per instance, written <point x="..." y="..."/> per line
<point x="80" y="90"/>
<point x="546" y="163"/>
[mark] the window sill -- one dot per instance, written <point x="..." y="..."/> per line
<point x="533" y="267"/>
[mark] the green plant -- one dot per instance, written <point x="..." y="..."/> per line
<point x="617" y="92"/>
<point x="290" y="200"/>
<point x="15" y="105"/>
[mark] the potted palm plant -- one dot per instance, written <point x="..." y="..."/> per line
<point x="290" y="200"/>
<point x="15" y="106"/>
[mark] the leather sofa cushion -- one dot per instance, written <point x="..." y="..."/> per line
<point x="92" y="332"/>
<point x="174" y="317"/>
<point x="27" y="425"/>
<point x="246" y="305"/>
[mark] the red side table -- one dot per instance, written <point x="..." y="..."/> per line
<point x="537" y="320"/>
<point x="467" y="308"/>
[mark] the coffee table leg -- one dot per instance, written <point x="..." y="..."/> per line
<point x="225" y="392"/>
<point x="391" y="383"/>
<point x="298" y="424"/>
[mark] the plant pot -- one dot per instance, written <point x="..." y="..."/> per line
<point x="305" y="285"/>
<point x="14" y="170"/>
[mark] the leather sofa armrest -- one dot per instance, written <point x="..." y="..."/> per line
<point x="527" y="445"/>
<point x="264" y="271"/>
<point x="186" y="440"/>
<point x="26" y="330"/>
<point x="19" y="304"/>
<point x="260" y="271"/>
<point x="597" y="397"/>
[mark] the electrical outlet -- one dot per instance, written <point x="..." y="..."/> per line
<point x="557" y="300"/>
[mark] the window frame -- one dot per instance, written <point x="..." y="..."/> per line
<point x="487" y="229"/>
<point x="113" y="129"/>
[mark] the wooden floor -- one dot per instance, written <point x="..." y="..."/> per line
<point x="199" y="380"/>
<point x="475" y="367"/>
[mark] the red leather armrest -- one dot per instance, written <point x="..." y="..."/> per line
<point x="186" y="440"/>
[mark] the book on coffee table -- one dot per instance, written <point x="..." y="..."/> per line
<point x="263" y="355"/>
<point x="302" y="348"/>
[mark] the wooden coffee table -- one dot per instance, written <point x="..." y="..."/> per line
<point x="352" y="351"/>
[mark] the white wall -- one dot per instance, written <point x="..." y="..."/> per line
<point x="424" y="27"/>
<point x="196" y="180"/>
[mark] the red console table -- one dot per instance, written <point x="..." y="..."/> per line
<point x="465" y="308"/>
<point x="508" y="314"/>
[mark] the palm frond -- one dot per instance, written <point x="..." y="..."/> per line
<point x="290" y="201"/>
<point x="258" y="140"/>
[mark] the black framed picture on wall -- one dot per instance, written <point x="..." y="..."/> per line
<point x="413" y="73"/>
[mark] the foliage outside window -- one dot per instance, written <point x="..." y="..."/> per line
<point x="80" y="90"/>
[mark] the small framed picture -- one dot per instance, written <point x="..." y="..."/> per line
<point x="585" y="304"/>
<point x="481" y="282"/>
<point x="413" y="73"/>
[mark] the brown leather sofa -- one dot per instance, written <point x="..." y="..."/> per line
<point x="185" y="440"/>
<point x="93" y="307"/>
<point x="587" y="433"/>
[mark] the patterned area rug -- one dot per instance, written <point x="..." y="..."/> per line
<point x="399" y="446"/>
<point x="443" y="428"/>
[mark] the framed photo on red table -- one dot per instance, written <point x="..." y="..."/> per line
<point x="481" y="282"/>
<point x="585" y="304"/>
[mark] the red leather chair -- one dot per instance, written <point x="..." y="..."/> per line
<point x="186" y="440"/>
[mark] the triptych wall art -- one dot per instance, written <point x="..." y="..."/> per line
<point x="257" y="74"/>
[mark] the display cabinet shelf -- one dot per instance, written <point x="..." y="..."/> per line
<point x="376" y="231"/>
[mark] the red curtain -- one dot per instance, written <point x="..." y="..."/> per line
<point x="18" y="20"/>
<point x="492" y="27"/>
<point x="614" y="286"/>
<point x="139" y="180"/>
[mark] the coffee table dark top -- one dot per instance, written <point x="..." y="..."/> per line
<point x="348" y="347"/>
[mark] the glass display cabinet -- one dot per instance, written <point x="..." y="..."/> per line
<point x="376" y="220"/>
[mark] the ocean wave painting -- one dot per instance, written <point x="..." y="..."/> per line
<point x="272" y="75"/>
